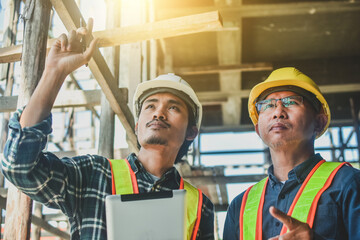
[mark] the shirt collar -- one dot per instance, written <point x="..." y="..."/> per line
<point x="136" y="166"/>
<point x="134" y="162"/>
<point x="299" y="173"/>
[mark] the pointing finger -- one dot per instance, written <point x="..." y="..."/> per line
<point x="296" y="229"/>
<point x="63" y="41"/>
<point x="90" y="50"/>
<point x="90" y="25"/>
<point x="288" y="221"/>
<point x="72" y="40"/>
<point x="82" y="30"/>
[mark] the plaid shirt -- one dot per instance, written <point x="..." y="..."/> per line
<point x="78" y="186"/>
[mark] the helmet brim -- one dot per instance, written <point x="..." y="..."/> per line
<point x="160" y="86"/>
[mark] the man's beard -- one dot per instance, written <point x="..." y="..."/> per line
<point x="154" y="140"/>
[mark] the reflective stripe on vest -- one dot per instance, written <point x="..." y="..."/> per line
<point x="124" y="182"/>
<point x="303" y="207"/>
<point x="251" y="215"/>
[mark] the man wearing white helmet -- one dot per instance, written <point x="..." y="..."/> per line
<point x="168" y="117"/>
<point x="303" y="197"/>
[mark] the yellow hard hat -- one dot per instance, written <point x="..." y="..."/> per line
<point x="170" y="83"/>
<point x="287" y="76"/>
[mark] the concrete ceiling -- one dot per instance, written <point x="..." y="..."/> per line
<point x="320" y="38"/>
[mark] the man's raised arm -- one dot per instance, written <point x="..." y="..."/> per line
<point x="65" y="56"/>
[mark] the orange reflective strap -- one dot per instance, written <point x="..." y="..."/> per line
<point x="303" y="207"/>
<point x="133" y="178"/>
<point x="250" y="223"/>
<point x="260" y="212"/>
<point x="305" y="202"/>
<point x="123" y="177"/>
<point x="297" y="196"/>
<point x="113" y="189"/>
<point x="242" y="209"/>
<point x="193" y="215"/>
<point x="311" y="217"/>
<point x="197" y="224"/>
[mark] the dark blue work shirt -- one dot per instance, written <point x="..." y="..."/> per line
<point x="337" y="215"/>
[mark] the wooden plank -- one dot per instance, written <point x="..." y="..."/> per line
<point x="18" y="208"/>
<point x="245" y="67"/>
<point x="107" y="117"/>
<point x="3" y="192"/>
<point x="210" y="21"/>
<point x="65" y="154"/>
<point x="75" y="82"/>
<point x="13" y="53"/>
<point x="37" y="213"/>
<point x="49" y="228"/>
<point x="168" y="65"/>
<point x="10" y="54"/>
<point x="78" y="98"/>
<point x="196" y="23"/>
<point x="65" y="99"/>
<point x="9" y="31"/>
<point x="59" y="217"/>
<point x="106" y="80"/>
<point x="7" y="70"/>
<point x="8" y="103"/>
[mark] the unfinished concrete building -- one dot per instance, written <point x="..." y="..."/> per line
<point x="222" y="48"/>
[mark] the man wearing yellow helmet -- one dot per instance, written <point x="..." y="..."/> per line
<point x="303" y="197"/>
<point x="168" y="117"/>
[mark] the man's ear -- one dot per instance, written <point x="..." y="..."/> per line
<point x="257" y="129"/>
<point x="136" y="129"/>
<point x="191" y="133"/>
<point x="320" y="122"/>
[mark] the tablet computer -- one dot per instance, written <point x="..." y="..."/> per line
<point x="153" y="215"/>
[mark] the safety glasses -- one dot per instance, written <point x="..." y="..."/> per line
<point x="270" y="104"/>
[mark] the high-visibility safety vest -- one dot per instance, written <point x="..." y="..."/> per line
<point x="124" y="182"/>
<point x="303" y="207"/>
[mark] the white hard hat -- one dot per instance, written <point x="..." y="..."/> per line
<point x="170" y="83"/>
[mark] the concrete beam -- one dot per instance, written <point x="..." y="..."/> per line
<point x="234" y="13"/>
